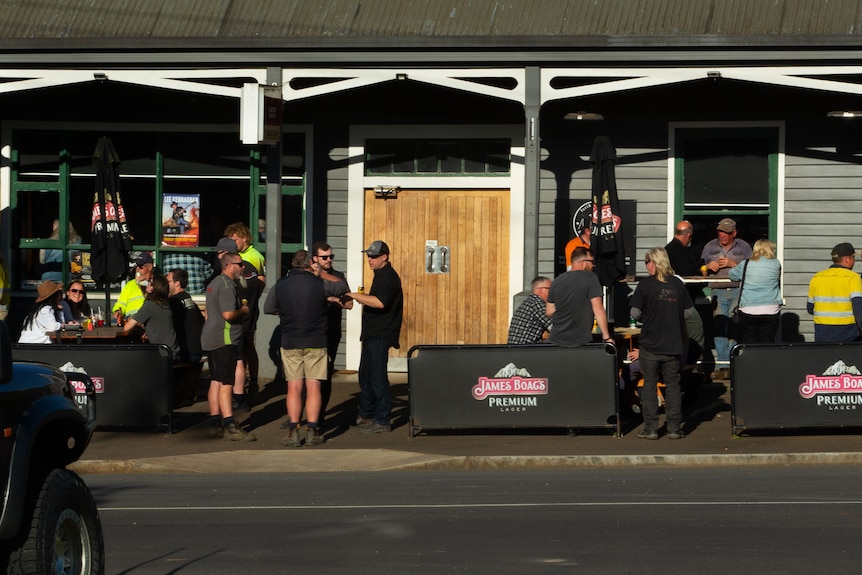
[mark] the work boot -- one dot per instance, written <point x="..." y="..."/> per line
<point x="240" y="403"/>
<point x="292" y="439"/>
<point x="216" y="431"/>
<point x="374" y="427"/>
<point x="645" y="433"/>
<point x="232" y="432"/>
<point x="364" y="420"/>
<point x="313" y="437"/>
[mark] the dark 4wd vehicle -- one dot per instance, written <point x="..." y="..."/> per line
<point x="49" y="523"/>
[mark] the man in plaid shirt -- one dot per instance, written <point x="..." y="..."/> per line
<point x="529" y="323"/>
<point x="197" y="268"/>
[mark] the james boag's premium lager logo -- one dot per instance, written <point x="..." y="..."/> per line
<point x="511" y="389"/>
<point x="838" y="389"/>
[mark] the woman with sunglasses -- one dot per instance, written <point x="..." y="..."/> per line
<point x="75" y="306"/>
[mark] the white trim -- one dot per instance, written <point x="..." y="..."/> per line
<point x="358" y="182"/>
<point x="780" y="169"/>
<point x="636" y="78"/>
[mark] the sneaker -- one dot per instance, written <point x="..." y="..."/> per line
<point x="363" y="420"/>
<point x="233" y="433"/>
<point x="374" y="427"/>
<point x="313" y="437"/>
<point x="292" y="439"/>
<point x="216" y="432"/>
<point x="647" y="434"/>
<point x="678" y="434"/>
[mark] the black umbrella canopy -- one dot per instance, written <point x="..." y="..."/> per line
<point x="110" y="244"/>
<point x="606" y="228"/>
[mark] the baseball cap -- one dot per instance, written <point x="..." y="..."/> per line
<point x="143" y="258"/>
<point x="226" y="245"/>
<point x="377" y="247"/>
<point x="843" y="249"/>
<point x="727" y="225"/>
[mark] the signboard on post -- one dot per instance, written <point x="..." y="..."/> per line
<point x="261" y="114"/>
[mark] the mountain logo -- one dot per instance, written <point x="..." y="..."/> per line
<point x="510" y="380"/>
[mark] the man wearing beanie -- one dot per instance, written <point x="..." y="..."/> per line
<point x="835" y="298"/>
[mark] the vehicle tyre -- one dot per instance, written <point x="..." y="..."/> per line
<point x="64" y="534"/>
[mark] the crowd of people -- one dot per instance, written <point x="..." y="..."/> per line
<point x="309" y="301"/>
<point x="689" y="305"/>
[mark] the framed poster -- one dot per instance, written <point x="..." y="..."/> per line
<point x="180" y="220"/>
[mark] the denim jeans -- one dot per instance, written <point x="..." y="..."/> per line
<point x="375" y="397"/>
<point x="665" y="367"/>
<point x="725" y="300"/>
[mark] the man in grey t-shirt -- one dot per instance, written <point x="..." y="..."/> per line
<point x="220" y="337"/>
<point x="573" y="300"/>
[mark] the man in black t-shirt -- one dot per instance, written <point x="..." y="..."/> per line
<point x="382" y="309"/>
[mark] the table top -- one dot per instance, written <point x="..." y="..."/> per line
<point x="112" y="332"/>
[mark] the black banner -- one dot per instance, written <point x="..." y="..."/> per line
<point x="133" y="382"/>
<point x="502" y="386"/>
<point x="796" y="385"/>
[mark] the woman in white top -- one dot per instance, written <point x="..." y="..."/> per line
<point x="44" y="316"/>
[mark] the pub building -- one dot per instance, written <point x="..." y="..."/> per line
<point x="459" y="133"/>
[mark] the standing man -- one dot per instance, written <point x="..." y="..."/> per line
<point x="240" y="233"/>
<point x="220" y="339"/>
<point x="581" y="240"/>
<point x="835" y="298"/>
<point x="661" y="302"/>
<point x="575" y="298"/>
<point x="324" y="257"/>
<point x="382" y="309"/>
<point x="300" y="300"/>
<point x="686" y="264"/>
<point x="719" y="256"/>
<point x="530" y="322"/>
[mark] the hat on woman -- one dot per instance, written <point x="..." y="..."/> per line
<point x="46" y="289"/>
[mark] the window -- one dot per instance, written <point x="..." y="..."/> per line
<point x="727" y="173"/>
<point x="53" y="181"/>
<point x="437" y="157"/>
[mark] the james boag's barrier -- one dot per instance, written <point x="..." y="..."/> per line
<point x="133" y="382"/>
<point x="502" y="386"/>
<point x="777" y="386"/>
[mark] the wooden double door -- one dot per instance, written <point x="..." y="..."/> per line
<point x="462" y="296"/>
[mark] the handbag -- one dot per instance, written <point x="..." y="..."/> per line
<point x="734" y="313"/>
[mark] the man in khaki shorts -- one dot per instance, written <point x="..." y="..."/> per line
<point x="300" y="299"/>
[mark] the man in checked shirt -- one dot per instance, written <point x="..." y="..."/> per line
<point x="529" y="322"/>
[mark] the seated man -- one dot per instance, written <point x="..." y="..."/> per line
<point x="530" y="322"/>
<point x="187" y="316"/>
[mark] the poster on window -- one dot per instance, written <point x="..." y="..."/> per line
<point x="180" y="217"/>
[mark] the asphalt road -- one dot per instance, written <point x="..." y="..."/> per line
<point x="781" y="520"/>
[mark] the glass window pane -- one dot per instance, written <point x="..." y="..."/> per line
<point x="450" y="158"/>
<point x="474" y="157"/>
<point x="498" y="157"/>
<point x="223" y="202"/>
<point x="726" y="172"/>
<point x="426" y="158"/>
<point x="38" y="155"/>
<point x="35" y="213"/>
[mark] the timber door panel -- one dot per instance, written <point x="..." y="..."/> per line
<point x="468" y="305"/>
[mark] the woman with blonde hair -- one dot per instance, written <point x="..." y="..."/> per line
<point x="760" y="294"/>
<point x="662" y="303"/>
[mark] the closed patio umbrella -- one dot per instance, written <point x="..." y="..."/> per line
<point x="110" y="244"/>
<point x="606" y="241"/>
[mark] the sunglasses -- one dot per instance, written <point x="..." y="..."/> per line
<point x="73" y="290"/>
<point x="329" y="257"/>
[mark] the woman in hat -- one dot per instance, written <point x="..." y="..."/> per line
<point x="45" y="315"/>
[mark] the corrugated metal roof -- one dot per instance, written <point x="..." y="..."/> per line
<point x="292" y="22"/>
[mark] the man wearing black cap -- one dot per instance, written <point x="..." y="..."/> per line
<point x="133" y="293"/>
<point x="835" y="298"/>
<point x="381" y="329"/>
<point x="719" y="256"/>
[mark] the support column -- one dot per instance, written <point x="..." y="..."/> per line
<point x="532" y="153"/>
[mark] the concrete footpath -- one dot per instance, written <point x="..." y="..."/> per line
<point x="708" y="442"/>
